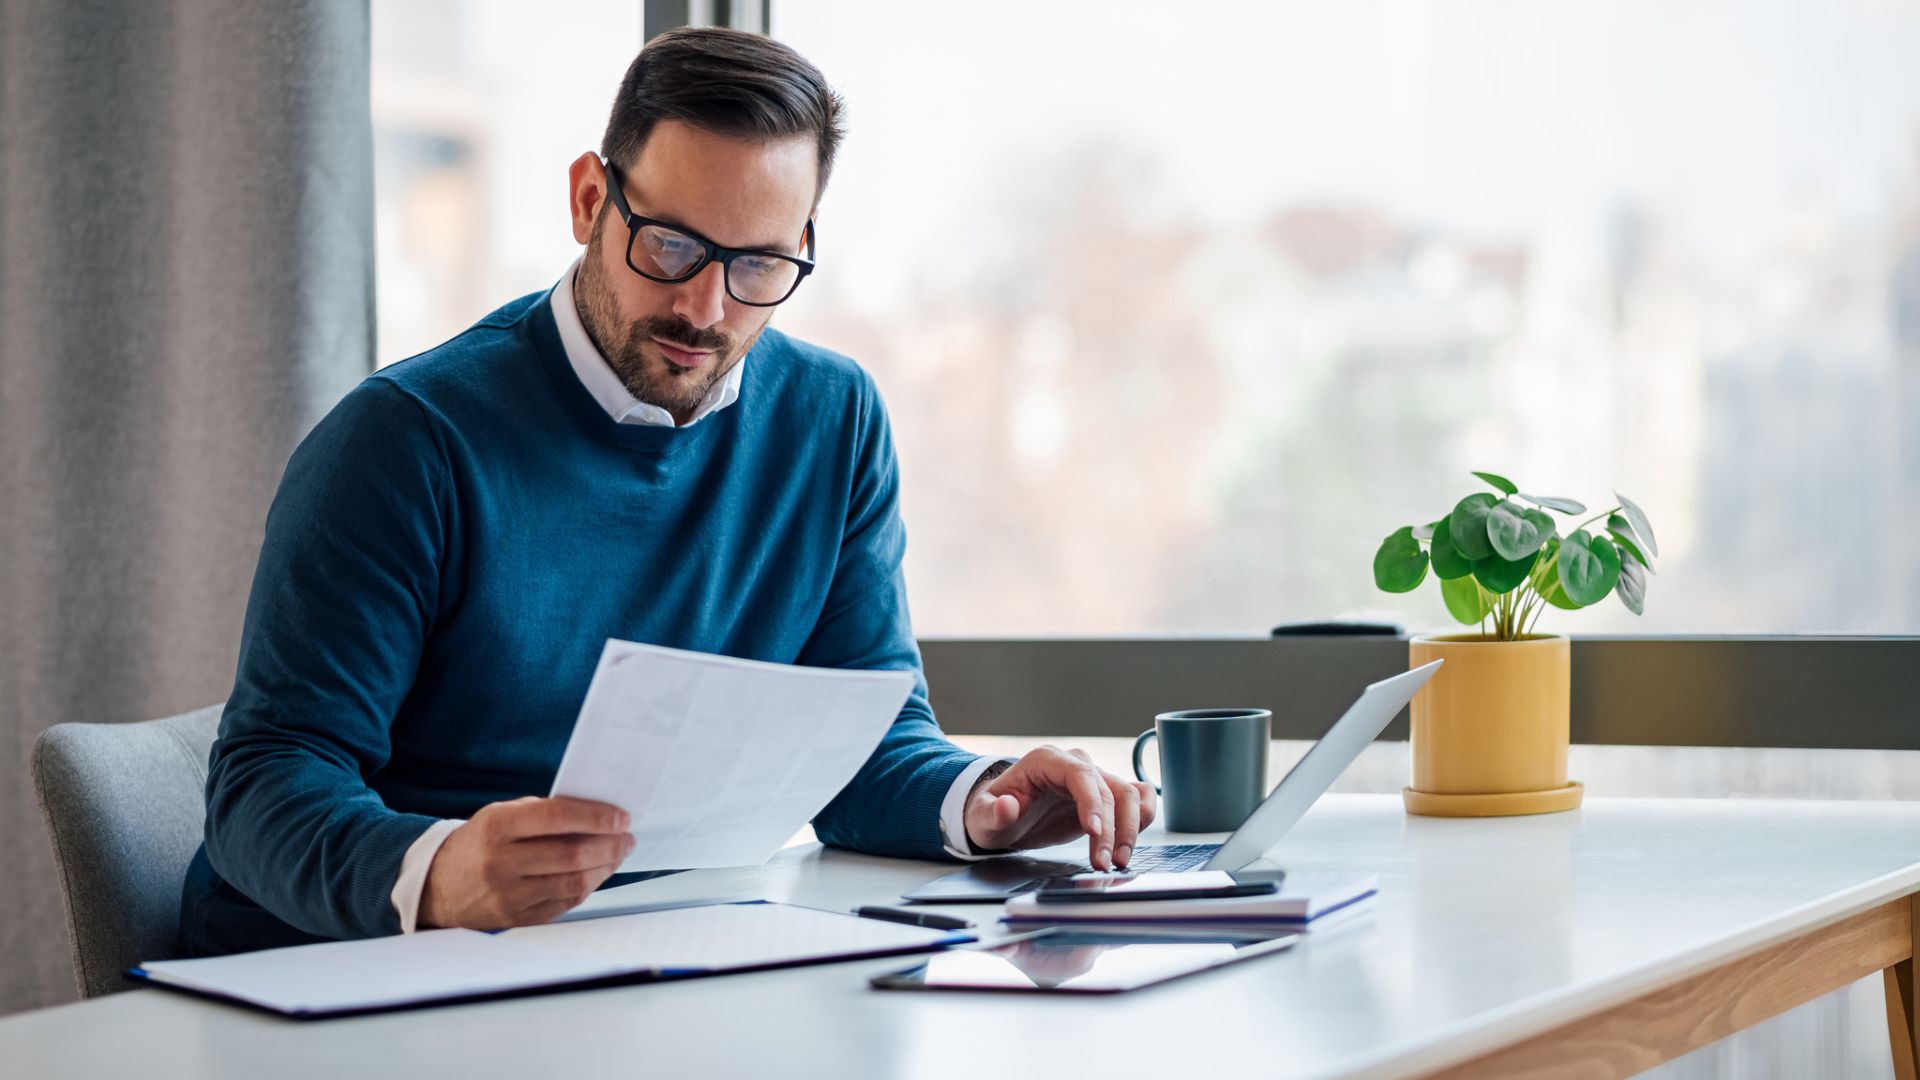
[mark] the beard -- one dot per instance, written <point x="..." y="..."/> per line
<point x="648" y="375"/>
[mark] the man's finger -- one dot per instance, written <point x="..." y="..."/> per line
<point x="538" y="855"/>
<point x="1149" y="803"/>
<point x="568" y="888"/>
<point x="543" y="912"/>
<point x="559" y="815"/>
<point x="1095" y="802"/>
<point x="991" y="818"/>
<point x="1006" y="811"/>
<point x="1126" y="813"/>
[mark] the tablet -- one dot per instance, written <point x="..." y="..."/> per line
<point x="1082" y="961"/>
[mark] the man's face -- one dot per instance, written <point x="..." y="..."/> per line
<point x="670" y="343"/>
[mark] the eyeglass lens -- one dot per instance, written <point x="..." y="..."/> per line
<point x="752" y="279"/>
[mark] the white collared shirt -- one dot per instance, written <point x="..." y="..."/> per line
<point x="601" y="381"/>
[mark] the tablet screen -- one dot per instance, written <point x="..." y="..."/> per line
<point x="1083" y="961"/>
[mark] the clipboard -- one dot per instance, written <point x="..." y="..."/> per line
<point x="446" y="967"/>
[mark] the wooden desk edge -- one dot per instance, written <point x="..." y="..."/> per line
<point x="1682" y="1016"/>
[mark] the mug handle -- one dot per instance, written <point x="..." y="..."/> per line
<point x="1139" y="745"/>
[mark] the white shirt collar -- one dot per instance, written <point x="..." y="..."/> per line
<point x="598" y="377"/>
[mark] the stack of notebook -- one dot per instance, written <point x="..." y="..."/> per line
<point x="1304" y="900"/>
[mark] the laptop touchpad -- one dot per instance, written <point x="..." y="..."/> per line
<point x="990" y="879"/>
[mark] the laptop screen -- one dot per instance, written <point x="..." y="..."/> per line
<point x="1313" y="774"/>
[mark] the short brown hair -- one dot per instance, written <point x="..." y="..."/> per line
<point x="729" y="82"/>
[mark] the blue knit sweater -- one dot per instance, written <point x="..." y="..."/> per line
<point x="450" y="548"/>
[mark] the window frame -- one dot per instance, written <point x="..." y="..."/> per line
<point x="1793" y="691"/>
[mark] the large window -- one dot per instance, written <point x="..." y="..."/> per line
<point x="1178" y="312"/>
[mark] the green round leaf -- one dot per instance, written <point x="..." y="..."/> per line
<point x="1589" y="567"/>
<point x="1467" y="525"/>
<point x="1632" y="588"/>
<point x="1465" y="601"/>
<point x="1543" y="566"/>
<point x="1638" y="518"/>
<point x="1448" y="563"/>
<point x="1517" y="531"/>
<point x="1556" y="593"/>
<point x="1544" y="523"/>
<point x="1555" y="502"/>
<point x="1400" y="565"/>
<point x="1627" y="548"/>
<point x="1501" y="576"/>
<point x="1505" y="485"/>
<point x="1609" y="553"/>
<point x="1545" y="577"/>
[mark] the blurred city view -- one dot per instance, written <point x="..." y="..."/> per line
<point x="1177" y="319"/>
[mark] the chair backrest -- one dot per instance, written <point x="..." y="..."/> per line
<point x="125" y="806"/>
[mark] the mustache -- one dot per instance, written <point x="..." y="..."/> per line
<point x="678" y="332"/>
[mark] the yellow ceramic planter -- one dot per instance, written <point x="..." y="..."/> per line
<point x="1490" y="730"/>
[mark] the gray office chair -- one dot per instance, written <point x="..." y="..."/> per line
<point x="125" y="806"/>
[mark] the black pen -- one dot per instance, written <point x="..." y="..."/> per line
<point x="913" y="918"/>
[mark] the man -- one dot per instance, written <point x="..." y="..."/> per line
<point x="633" y="454"/>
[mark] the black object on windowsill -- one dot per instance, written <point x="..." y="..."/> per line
<point x="1340" y="628"/>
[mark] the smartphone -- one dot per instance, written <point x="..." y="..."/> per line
<point x="1186" y="885"/>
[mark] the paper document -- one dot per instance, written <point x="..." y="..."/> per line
<point x="718" y="760"/>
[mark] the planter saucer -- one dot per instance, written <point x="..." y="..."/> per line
<point x="1503" y="804"/>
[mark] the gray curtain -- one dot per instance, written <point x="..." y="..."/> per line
<point x="186" y="286"/>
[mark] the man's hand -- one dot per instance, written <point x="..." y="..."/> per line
<point x="523" y="862"/>
<point x="1051" y="796"/>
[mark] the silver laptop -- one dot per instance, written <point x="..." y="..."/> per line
<point x="1365" y="719"/>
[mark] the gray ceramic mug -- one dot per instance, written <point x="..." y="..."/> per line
<point x="1213" y="766"/>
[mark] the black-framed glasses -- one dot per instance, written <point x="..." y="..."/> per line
<point x="668" y="253"/>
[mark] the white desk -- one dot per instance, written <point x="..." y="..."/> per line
<point x="1619" y="935"/>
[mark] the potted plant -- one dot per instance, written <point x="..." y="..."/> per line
<point x="1490" y="731"/>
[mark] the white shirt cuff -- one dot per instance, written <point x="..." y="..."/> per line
<point x="413" y="871"/>
<point x="953" y="809"/>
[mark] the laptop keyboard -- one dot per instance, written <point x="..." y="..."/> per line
<point x="1164" y="858"/>
<point x="994" y="879"/>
